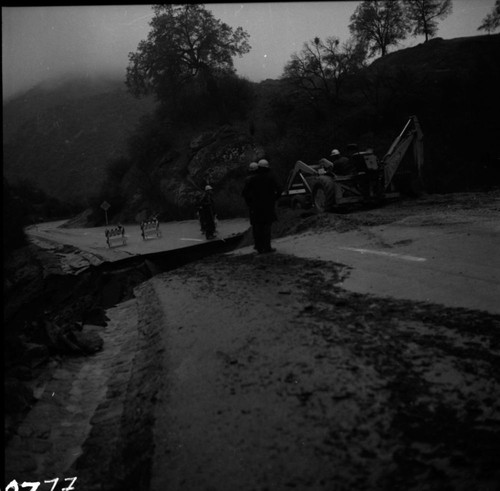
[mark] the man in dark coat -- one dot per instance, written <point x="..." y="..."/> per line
<point x="252" y="172"/>
<point x="206" y="212"/>
<point x="260" y="193"/>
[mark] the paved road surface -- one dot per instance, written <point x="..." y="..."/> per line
<point x="448" y="258"/>
<point x="174" y="235"/>
<point x="452" y="260"/>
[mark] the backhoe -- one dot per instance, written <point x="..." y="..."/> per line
<point x="373" y="180"/>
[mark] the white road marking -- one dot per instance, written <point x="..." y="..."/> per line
<point x="383" y="253"/>
<point x="196" y="240"/>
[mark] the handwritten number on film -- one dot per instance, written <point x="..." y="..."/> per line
<point x="33" y="486"/>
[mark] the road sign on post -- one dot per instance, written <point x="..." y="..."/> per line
<point x="106" y="206"/>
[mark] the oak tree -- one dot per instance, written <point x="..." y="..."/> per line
<point x="492" y="21"/>
<point x="379" y="24"/>
<point x="186" y="45"/>
<point x="321" y="67"/>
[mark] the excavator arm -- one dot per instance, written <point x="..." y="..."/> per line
<point x="296" y="181"/>
<point x="410" y="136"/>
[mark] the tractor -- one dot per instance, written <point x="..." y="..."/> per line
<point x="372" y="180"/>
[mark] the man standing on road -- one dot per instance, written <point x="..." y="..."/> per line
<point x="260" y="193"/>
<point x="206" y="212"/>
<point x="252" y="172"/>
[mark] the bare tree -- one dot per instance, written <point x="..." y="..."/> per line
<point x="379" y="24"/>
<point x="321" y="67"/>
<point x="492" y="21"/>
<point x="424" y="14"/>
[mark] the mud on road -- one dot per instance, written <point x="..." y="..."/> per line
<point x="432" y="209"/>
<point x="261" y="372"/>
<point x="321" y="388"/>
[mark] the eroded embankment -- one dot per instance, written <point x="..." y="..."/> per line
<point x="47" y="317"/>
<point x="47" y="310"/>
<point x="62" y="387"/>
<point x="70" y="401"/>
<point x="118" y="451"/>
<point x="68" y="349"/>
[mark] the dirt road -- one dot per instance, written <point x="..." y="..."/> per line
<point x="267" y="372"/>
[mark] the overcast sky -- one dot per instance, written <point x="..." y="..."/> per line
<point x="40" y="43"/>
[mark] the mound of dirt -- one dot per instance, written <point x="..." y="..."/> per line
<point x="292" y="222"/>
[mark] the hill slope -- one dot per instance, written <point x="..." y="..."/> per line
<point x="452" y="86"/>
<point x="61" y="138"/>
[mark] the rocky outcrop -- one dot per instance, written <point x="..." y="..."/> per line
<point x="217" y="158"/>
<point x="172" y="187"/>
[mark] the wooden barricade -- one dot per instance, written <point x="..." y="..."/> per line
<point x="150" y="228"/>
<point x="116" y="234"/>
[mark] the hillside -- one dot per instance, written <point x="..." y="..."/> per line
<point x="62" y="136"/>
<point x="452" y="85"/>
<point x="457" y="54"/>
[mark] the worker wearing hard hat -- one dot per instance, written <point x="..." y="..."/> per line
<point x="253" y="167"/>
<point x="206" y="213"/>
<point x="261" y="193"/>
<point x="341" y="165"/>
